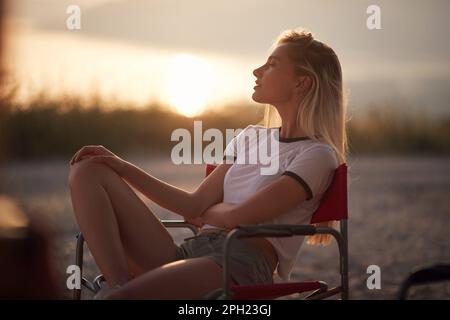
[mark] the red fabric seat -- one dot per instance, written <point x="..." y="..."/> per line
<point x="272" y="291"/>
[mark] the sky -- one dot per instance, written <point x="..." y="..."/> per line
<point x="165" y="50"/>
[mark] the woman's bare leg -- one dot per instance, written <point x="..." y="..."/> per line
<point x="122" y="233"/>
<point x="181" y="280"/>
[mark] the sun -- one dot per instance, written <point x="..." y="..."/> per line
<point x="189" y="83"/>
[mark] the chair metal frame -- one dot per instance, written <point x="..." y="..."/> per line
<point x="94" y="285"/>
<point x="319" y="288"/>
<point x="279" y="230"/>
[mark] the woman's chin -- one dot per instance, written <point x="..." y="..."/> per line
<point x="256" y="98"/>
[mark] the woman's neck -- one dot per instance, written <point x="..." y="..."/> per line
<point x="291" y="131"/>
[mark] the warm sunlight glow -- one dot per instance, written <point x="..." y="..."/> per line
<point x="189" y="84"/>
<point x="123" y="74"/>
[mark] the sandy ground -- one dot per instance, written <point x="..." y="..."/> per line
<point x="399" y="219"/>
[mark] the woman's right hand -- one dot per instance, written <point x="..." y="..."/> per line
<point x="89" y="151"/>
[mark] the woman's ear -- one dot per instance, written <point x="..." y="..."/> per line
<point x="304" y="83"/>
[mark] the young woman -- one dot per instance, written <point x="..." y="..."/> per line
<point x="301" y="83"/>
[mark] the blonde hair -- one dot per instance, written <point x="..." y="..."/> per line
<point x="322" y="111"/>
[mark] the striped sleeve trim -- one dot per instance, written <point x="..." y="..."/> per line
<point x="301" y="181"/>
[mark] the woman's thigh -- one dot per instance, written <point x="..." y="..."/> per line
<point x="146" y="241"/>
<point x="182" y="279"/>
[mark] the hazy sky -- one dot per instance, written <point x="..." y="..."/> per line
<point x="409" y="58"/>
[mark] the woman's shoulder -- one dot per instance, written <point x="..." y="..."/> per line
<point x="321" y="145"/>
<point x="324" y="151"/>
<point x="313" y="149"/>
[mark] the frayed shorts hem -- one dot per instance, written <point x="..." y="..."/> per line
<point x="247" y="263"/>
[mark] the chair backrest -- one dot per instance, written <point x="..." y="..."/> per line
<point x="333" y="205"/>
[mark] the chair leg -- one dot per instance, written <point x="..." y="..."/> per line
<point x="345" y="294"/>
<point x="323" y="288"/>
<point x="98" y="279"/>
<point x="214" y="295"/>
<point x="94" y="285"/>
<point x="327" y="293"/>
<point x="79" y="262"/>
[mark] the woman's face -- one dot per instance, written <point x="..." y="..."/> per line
<point x="276" y="79"/>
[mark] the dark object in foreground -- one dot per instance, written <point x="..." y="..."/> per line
<point x="435" y="273"/>
<point x="24" y="263"/>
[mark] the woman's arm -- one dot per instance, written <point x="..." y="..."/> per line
<point x="268" y="202"/>
<point x="160" y="192"/>
<point x="187" y="204"/>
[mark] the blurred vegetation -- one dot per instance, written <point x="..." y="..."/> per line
<point x="387" y="129"/>
<point x="48" y="128"/>
<point x="57" y="128"/>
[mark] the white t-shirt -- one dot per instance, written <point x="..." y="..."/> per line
<point x="310" y="163"/>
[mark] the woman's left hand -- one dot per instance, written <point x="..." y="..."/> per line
<point x="218" y="215"/>
<point x="114" y="162"/>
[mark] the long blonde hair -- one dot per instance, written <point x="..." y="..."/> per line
<point x="322" y="111"/>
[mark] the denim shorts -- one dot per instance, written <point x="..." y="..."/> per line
<point x="247" y="263"/>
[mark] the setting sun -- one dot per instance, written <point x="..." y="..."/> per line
<point x="189" y="84"/>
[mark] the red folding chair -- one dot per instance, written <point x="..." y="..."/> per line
<point x="333" y="206"/>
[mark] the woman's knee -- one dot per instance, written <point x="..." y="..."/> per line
<point x="85" y="170"/>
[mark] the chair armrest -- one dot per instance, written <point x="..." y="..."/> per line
<point x="274" y="230"/>
<point x="179" y="224"/>
<point x="269" y="230"/>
